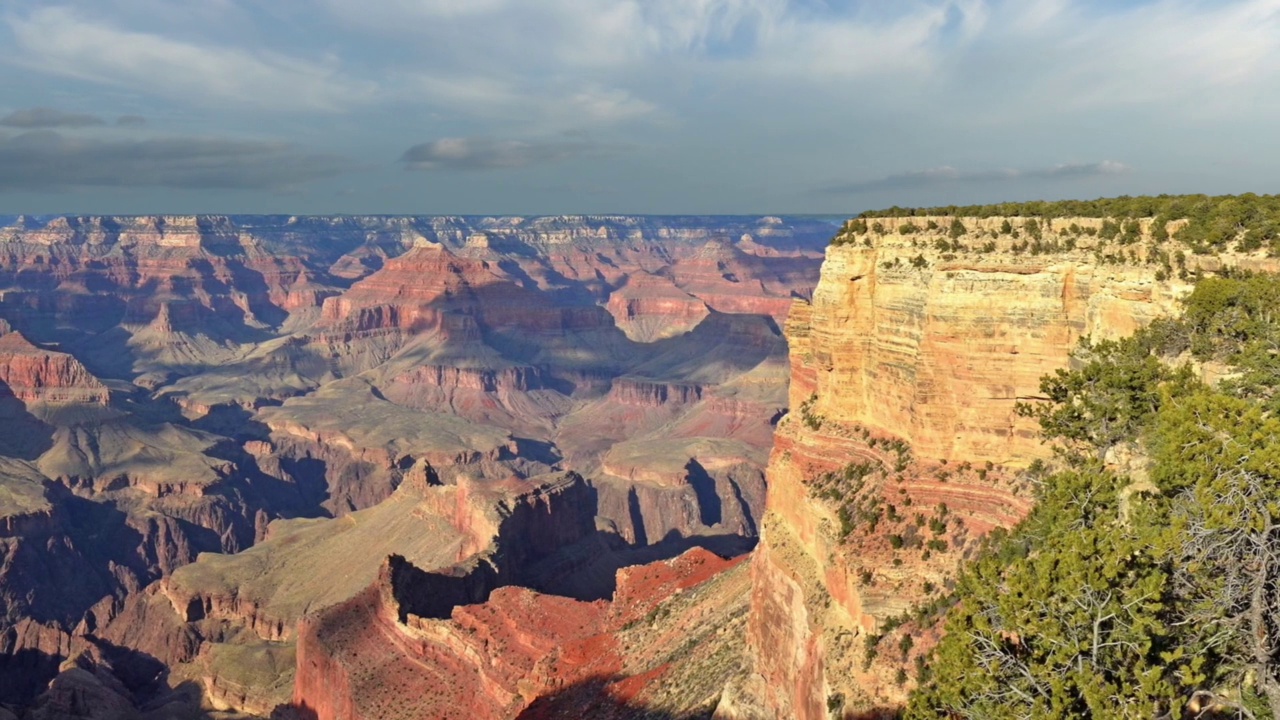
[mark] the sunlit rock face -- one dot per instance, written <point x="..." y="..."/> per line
<point x="524" y="654"/>
<point x="904" y="341"/>
<point x="33" y="374"/>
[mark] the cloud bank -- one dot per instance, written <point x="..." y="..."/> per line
<point x="47" y="160"/>
<point x="65" y="42"/>
<point x="946" y="174"/>
<point x="723" y="105"/>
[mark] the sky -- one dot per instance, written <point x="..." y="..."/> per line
<point x="629" y="106"/>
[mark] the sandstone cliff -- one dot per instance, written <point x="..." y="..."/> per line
<point x="902" y="447"/>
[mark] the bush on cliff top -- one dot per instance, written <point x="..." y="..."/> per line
<point x="1252" y="221"/>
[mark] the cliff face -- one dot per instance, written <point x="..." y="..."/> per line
<point x="651" y="307"/>
<point x="415" y="291"/>
<point x="168" y="273"/>
<point x="911" y="345"/>
<point x="939" y="355"/>
<point x="33" y="374"/>
<point x="524" y="654"/>
<point x="496" y="533"/>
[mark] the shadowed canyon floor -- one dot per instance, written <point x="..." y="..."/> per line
<point x="218" y="430"/>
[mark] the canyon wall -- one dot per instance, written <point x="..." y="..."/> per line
<point x="663" y="644"/>
<point x="33" y="374"/>
<point x="939" y="355"/>
<point x="924" y="343"/>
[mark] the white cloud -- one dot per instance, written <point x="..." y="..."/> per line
<point x="1084" y="54"/>
<point x="60" y="41"/>
<point x="478" y="153"/>
<point x="749" y="100"/>
<point x="560" y="64"/>
<point x="594" y="35"/>
<point x="607" y="105"/>
<point x="608" y="61"/>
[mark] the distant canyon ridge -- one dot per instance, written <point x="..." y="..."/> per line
<point x="251" y="464"/>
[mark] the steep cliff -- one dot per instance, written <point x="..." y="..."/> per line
<point x="453" y="545"/>
<point x="902" y="448"/>
<point x="664" y="643"/>
<point x="33" y="374"/>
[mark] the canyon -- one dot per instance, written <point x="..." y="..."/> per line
<point x="340" y="468"/>
<point x="223" y="433"/>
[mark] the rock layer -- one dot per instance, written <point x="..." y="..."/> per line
<point x="939" y="356"/>
<point x="911" y="341"/>
<point x="518" y="654"/>
<point x="33" y="374"/>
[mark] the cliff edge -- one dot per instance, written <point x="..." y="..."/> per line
<point x="903" y="449"/>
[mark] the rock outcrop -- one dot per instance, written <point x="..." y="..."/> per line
<point x="267" y="589"/>
<point x="905" y="372"/>
<point x="652" y="307"/>
<point x="525" y="654"/>
<point x="940" y="355"/>
<point x="450" y="545"/>
<point x="32" y="374"/>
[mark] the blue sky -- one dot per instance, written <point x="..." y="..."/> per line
<point x="644" y="106"/>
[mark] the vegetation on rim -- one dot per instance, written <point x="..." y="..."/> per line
<point x="1204" y="223"/>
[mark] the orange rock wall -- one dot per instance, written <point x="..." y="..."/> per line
<point x="938" y="356"/>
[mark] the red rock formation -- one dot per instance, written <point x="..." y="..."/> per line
<point x="33" y="374"/>
<point x="490" y="536"/>
<point x="522" y="398"/>
<point x="521" y="379"/>
<point x="651" y="307"/>
<point x="729" y="280"/>
<point x="487" y="661"/>
<point x="650" y="393"/>
<point x="147" y="262"/>
<point x="275" y="265"/>
<point x="748" y="420"/>
<point x="362" y="471"/>
<point x="480" y="345"/>
<point x="414" y="292"/>
<point x="146" y="622"/>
